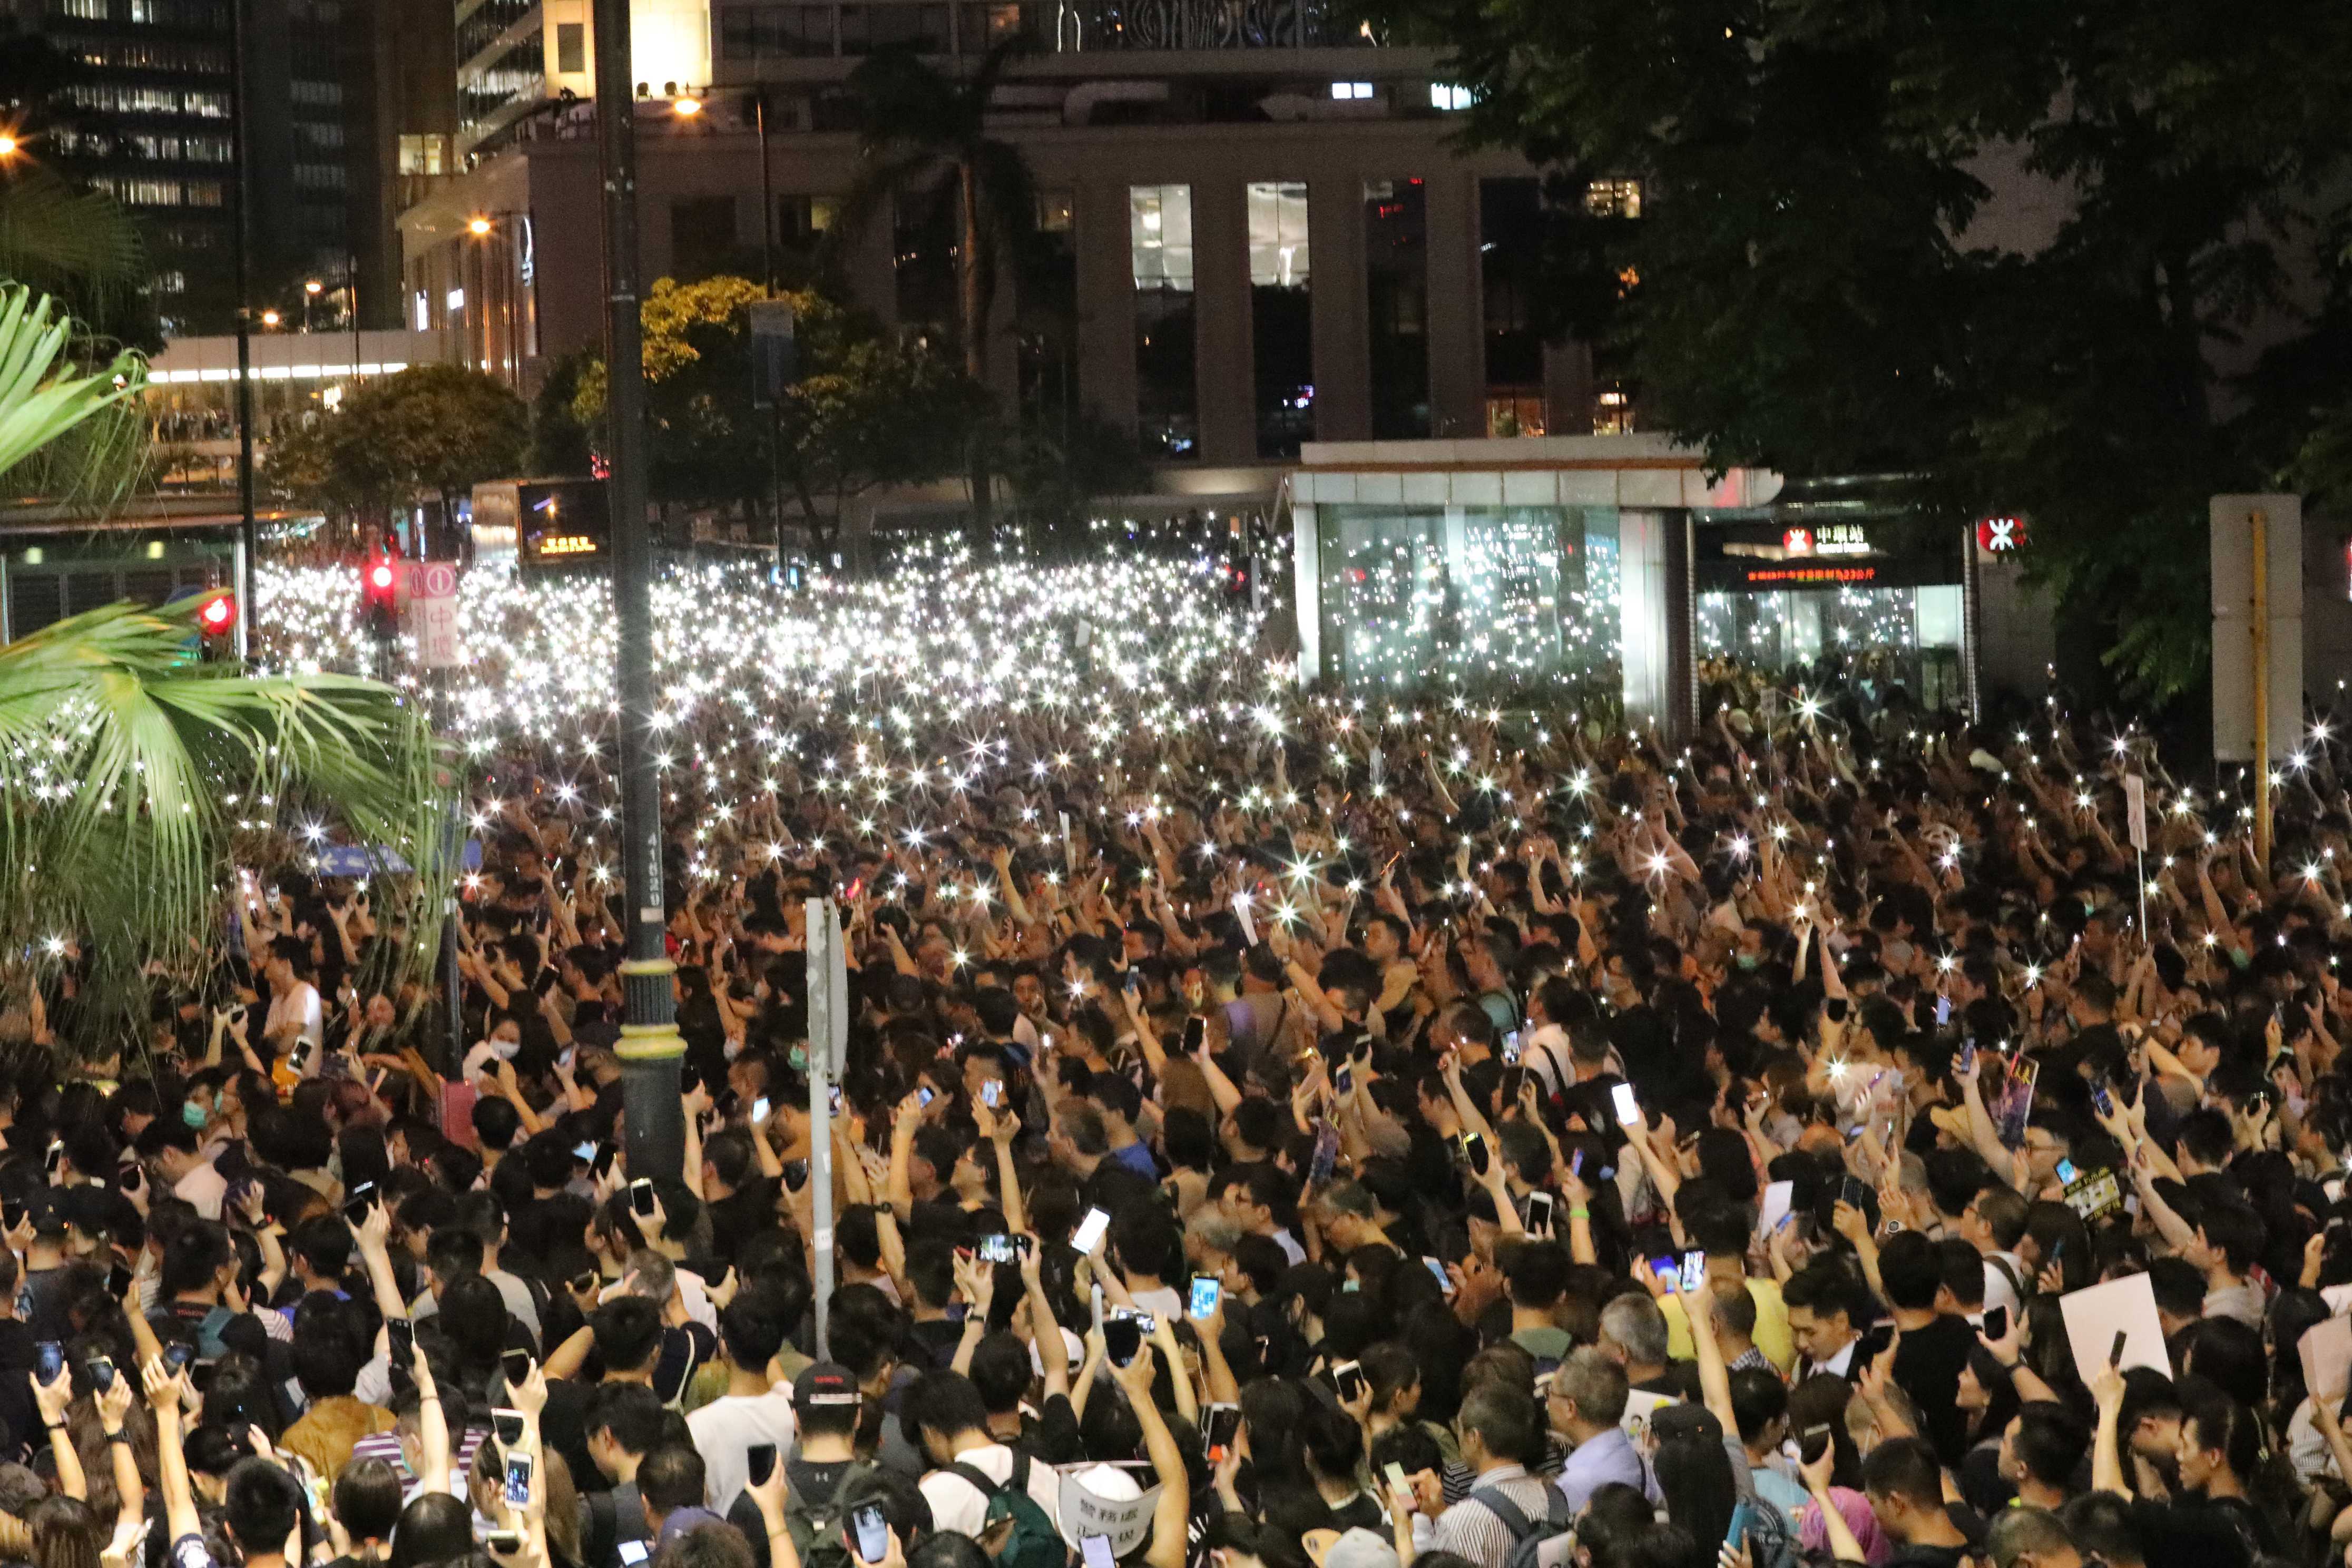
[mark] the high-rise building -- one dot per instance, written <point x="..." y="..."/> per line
<point x="148" y="117"/>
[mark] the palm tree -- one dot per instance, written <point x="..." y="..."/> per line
<point x="128" y="761"/>
<point x="925" y="138"/>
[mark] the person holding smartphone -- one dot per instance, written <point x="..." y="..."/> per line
<point x="752" y="1412"/>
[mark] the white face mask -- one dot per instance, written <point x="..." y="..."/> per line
<point x="505" y="1049"/>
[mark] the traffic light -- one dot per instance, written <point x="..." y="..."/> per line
<point x="379" y="581"/>
<point x="218" y="618"/>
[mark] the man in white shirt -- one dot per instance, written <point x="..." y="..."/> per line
<point x="1992" y="1222"/>
<point x="295" y="1010"/>
<point x="181" y="1166"/>
<point x="753" y="1409"/>
<point x="945" y="1414"/>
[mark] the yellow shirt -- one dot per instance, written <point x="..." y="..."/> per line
<point x="330" y="1428"/>
<point x="1773" y="1336"/>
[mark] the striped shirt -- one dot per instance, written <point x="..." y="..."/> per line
<point x="1473" y="1530"/>
<point x="386" y="1446"/>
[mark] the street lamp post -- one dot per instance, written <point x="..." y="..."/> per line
<point x="650" y="1049"/>
<point x="248" y="530"/>
<point x="767" y="193"/>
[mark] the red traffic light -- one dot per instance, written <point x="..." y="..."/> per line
<point x="218" y="614"/>
<point x="379" y="575"/>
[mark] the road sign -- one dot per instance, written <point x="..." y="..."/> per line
<point x="433" y="613"/>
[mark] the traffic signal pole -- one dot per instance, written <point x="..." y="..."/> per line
<point x="650" y="1049"/>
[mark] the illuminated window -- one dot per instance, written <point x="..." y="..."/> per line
<point x="1447" y="96"/>
<point x="1613" y="198"/>
<point x="1160" y="236"/>
<point x="1278" y="235"/>
<point x="1345" y="91"/>
<point x="1167" y="395"/>
<point x="1282" y="324"/>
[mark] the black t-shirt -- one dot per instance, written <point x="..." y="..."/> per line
<point x="1050" y="1436"/>
<point x="540" y="1229"/>
<point x="1927" y="1557"/>
<point x="1927" y="1367"/>
<point x="938" y="1339"/>
<point x="46" y="1318"/>
<point x="1361" y="1511"/>
<point x="2190" y="1534"/>
<point x="743" y="1215"/>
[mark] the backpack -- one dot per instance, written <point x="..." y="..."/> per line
<point x="1546" y="1543"/>
<point x="1034" y="1541"/>
<point x="609" y="1525"/>
<point x="814" y="1524"/>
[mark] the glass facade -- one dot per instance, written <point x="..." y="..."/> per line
<point x="1873" y="603"/>
<point x="1159" y="248"/>
<point x="1281" y="319"/>
<point x="1396" y="292"/>
<point x="1413" y="597"/>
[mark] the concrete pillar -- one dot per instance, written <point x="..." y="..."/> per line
<point x="1105" y="302"/>
<point x="1645" y="610"/>
<point x="1306" y="582"/>
<point x="1343" y="363"/>
<point x="1458" y="356"/>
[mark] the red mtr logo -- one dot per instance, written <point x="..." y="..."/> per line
<point x="218" y="618"/>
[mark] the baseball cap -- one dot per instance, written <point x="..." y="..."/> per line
<point x="1356" y="1548"/>
<point x="826" y="1382"/>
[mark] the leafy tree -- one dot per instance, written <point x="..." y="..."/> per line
<point x="121" y="752"/>
<point x="560" y="443"/>
<point x="866" y="408"/>
<point x="924" y="141"/>
<point x="431" y="428"/>
<point x="2010" y="253"/>
<point x="1055" y="469"/>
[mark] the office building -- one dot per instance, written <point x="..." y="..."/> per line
<point x="147" y="119"/>
<point x="1257" y="225"/>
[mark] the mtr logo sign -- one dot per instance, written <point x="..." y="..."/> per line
<point x="2000" y="535"/>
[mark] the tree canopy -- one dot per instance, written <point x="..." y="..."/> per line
<point x="867" y="409"/>
<point x="2077" y="260"/>
<point x="441" y="428"/>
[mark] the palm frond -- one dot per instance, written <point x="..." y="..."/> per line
<point x="41" y="397"/>
<point x="127" y="763"/>
<point x="51" y="234"/>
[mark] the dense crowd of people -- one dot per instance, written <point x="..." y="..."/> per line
<point x="1312" y="1132"/>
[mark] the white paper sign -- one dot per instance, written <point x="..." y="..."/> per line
<point x="2326" y="1352"/>
<point x="2135" y="809"/>
<point x="1778" y="1196"/>
<point x="2096" y="1315"/>
<point x="1640" y="1406"/>
<point x="1242" y="913"/>
<point x="1126" y="1520"/>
